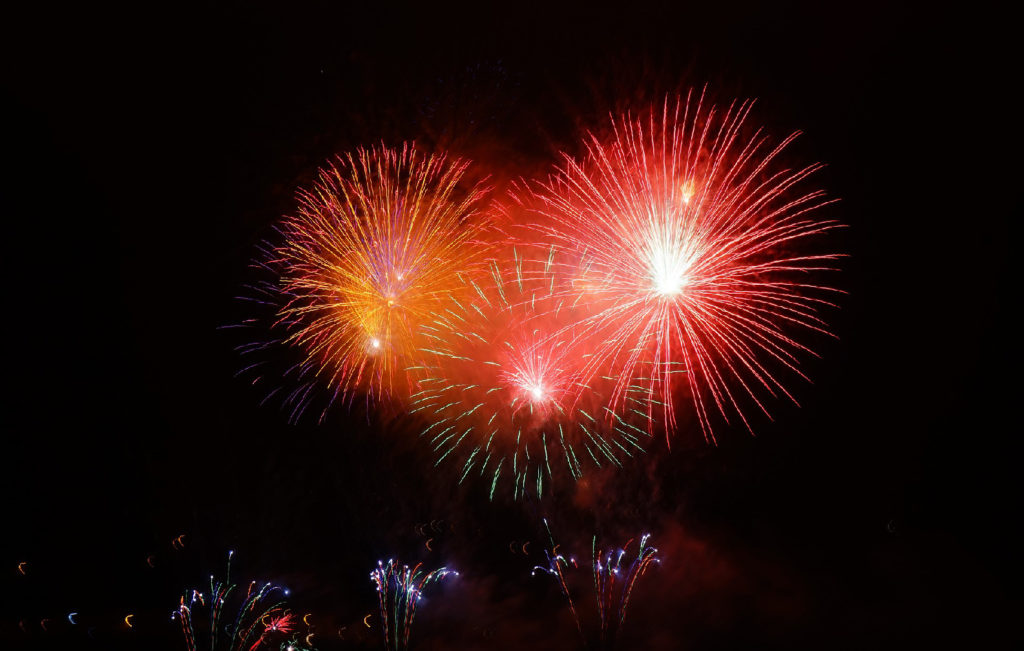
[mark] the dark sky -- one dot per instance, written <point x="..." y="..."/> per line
<point x="149" y="147"/>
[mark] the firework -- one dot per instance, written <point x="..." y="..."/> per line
<point x="614" y="581"/>
<point x="374" y="248"/>
<point x="497" y="386"/>
<point x="257" y="616"/>
<point x="274" y="624"/>
<point x="686" y="238"/>
<point x="556" y="568"/>
<point x="399" y="590"/>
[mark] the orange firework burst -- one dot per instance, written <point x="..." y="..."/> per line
<point x="684" y="236"/>
<point x="374" y="249"/>
<point x="498" y="384"/>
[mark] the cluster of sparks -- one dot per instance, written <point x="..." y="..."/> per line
<point x="258" y="618"/>
<point x="399" y="591"/>
<point x="669" y="259"/>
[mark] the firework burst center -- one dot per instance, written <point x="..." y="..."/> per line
<point x="668" y="270"/>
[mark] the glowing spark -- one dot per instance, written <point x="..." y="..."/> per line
<point x="537" y="391"/>
<point x="128" y="620"/>
<point x="668" y="269"/>
<point x="687" y="191"/>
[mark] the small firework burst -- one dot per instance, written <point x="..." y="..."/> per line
<point x="497" y="383"/>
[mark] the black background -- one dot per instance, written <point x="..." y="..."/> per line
<point x="150" y="147"/>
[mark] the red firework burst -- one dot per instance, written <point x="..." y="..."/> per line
<point x="684" y="235"/>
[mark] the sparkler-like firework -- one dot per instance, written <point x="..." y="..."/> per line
<point x="399" y="590"/>
<point x="496" y="383"/>
<point x="372" y="252"/>
<point x="686" y="236"/>
<point x="614" y="581"/>
<point x="557" y="567"/>
<point x="258" y="617"/>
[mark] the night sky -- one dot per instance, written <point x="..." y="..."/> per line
<point x="150" y="148"/>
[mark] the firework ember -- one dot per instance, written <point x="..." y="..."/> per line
<point x="686" y="234"/>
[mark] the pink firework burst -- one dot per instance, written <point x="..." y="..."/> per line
<point x="283" y="623"/>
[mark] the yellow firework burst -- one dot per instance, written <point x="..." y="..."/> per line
<point x="376" y="244"/>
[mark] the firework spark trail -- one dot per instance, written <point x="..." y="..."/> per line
<point x="557" y="564"/>
<point x="399" y="590"/>
<point x="254" y="610"/>
<point x="374" y="248"/>
<point x="498" y="391"/>
<point x="685" y="234"/>
<point x="613" y="588"/>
